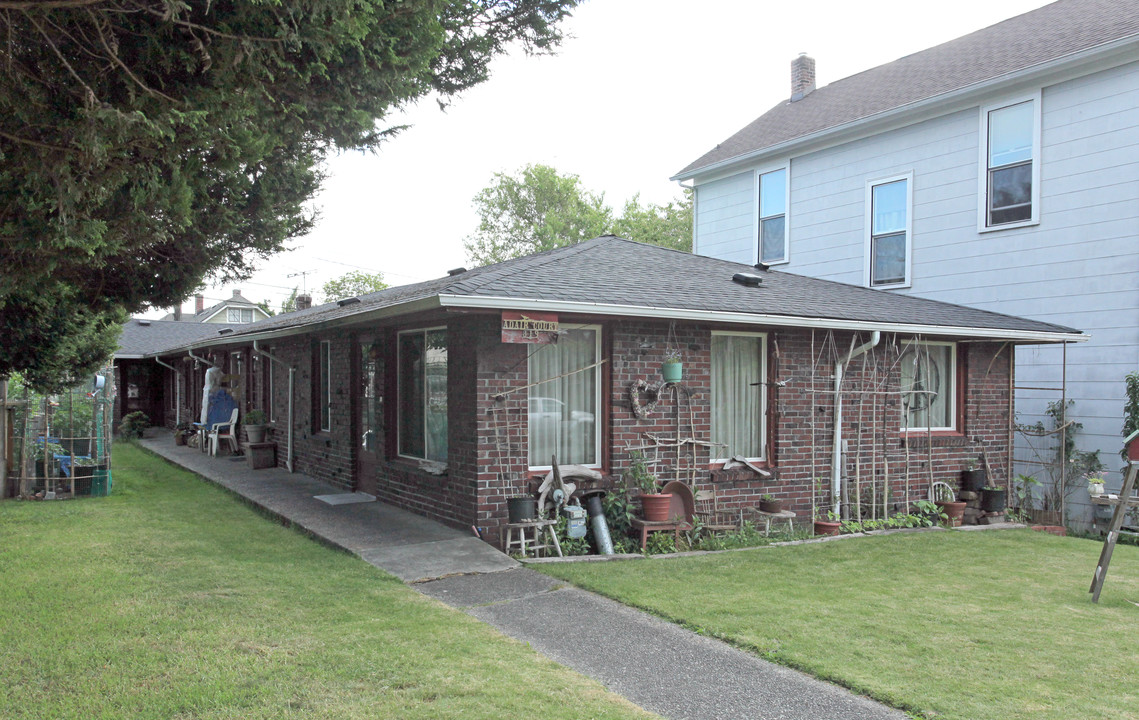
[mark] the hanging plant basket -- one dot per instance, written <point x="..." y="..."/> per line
<point x="672" y="371"/>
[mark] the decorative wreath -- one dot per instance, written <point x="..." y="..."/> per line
<point x="642" y="410"/>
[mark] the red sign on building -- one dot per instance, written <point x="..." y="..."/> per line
<point x="531" y="327"/>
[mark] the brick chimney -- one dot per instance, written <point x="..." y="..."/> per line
<point x="237" y="293"/>
<point x="304" y="302"/>
<point x="802" y="77"/>
<point x="199" y="304"/>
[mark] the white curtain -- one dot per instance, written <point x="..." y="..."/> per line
<point x="927" y="373"/>
<point x="563" y="411"/>
<point x="737" y="395"/>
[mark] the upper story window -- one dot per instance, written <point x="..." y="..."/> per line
<point x="1010" y="161"/>
<point x="239" y="315"/>
<point x="772" y="205"/>
<point x="929" y="386"/>
<point x="739" y="394"/>
<point x="422" y="391"/>
<point x="562" y="415"/>
<point x="888" y="208"/>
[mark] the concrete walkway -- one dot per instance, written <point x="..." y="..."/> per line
<point x="660" y="666"/>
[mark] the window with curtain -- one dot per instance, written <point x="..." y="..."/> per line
<point x="563" y="408"/>
<point x="929" y="386"/>
<point x="739" y="394"/>
<point x="422" y="389"/>
<point x="773" y="216"/>
<point x="889" y="232"/>
<point x="1010" y="154"/>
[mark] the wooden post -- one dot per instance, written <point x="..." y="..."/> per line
<point x="3" y="437"/>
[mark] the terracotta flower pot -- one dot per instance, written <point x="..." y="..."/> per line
<point x="955" y="511"/>
<point x="655" y="507"/>
<point x="826" y="527"/>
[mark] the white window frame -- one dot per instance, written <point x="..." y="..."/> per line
<point x="952" y="386"/>
<point x="762" y="393"/>
<point x="400" y="391"/>
<point x="983" y="164"/>
<point x="757" y="219"/>
<point x="325" y="360"/>
<point x="868" y="233"/>
<point x="596" y="401"/>
<point x="240" y="314"/>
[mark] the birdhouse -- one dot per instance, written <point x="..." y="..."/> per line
<point x="1132" y="445"/>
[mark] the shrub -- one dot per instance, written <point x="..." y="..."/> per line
<point x="133" y="424"/>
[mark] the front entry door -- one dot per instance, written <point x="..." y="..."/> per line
<point x="369" y="414"/>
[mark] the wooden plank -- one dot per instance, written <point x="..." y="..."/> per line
<point x="1113" y="532"/>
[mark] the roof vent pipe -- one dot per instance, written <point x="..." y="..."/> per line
<point x="747" y="279"/>
<point x="456" y="271"/>
<point x="348" y="301"/>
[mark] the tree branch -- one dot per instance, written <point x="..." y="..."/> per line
<point x="46" y="4"/>
<point x="114" y="56"/>
<point x="35" y="143"/>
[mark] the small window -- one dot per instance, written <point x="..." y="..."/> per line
<point x="239" y="315"/>
<point x="1010" y="155"/>
<point x="773" y="216"/>
<point x="888" y="245"/>
<point x="422" y="388"/>
<point x="324" y="380"/>
<point x="562" y="412"/>
<point x="929" y="386"/>
<point x="739" y="395"/>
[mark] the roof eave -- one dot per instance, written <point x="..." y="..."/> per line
<point x="765" y="319"/>
<point x="405" y="308"/>
<point x="953" y="97"/>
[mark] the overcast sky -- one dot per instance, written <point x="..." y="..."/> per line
<point x="642" y="88"/>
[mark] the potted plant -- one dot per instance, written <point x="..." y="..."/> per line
<point x="255" y="426"/>
<point x="952" y="510"/>
<point x="972" y="478"/>
<point x="769" y="504"/>
<point x="672" y="369"/>
<point x="1095" y="483"/>
<point x="993" y="499"/>
<point x="654" y="504"/>
<point x="830" y="526"/>
<point x="180" y="433"/>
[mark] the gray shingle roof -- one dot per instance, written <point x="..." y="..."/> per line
<point x="1049" y="33"/>
<point x="613" y="271"/>
<point x="146" y="337"/>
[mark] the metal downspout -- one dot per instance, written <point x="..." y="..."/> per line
<point x="177" y="391"/>
<point x="292" y="376"/>
<point x="836" y="451"/>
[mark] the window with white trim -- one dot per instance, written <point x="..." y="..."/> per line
<point x="422" y="394"/>
<point x="739" y="395"/>
<point x="929" y="386"/>
<point x="239" y="315"/>
<point x="1010" y="164"/>
<point x="564" y="400"/>
<point x="888" y="242"/>
<point x="772" y="204"/>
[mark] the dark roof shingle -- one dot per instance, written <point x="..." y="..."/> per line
<point x="1049" y="33"/>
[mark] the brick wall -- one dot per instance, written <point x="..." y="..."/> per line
<point x="487" y="427"/>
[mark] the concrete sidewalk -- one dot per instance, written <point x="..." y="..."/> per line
<point x="660" y="666"/>
<point x="409" y="546"/>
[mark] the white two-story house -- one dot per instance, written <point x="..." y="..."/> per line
<point x="999" y="170"/>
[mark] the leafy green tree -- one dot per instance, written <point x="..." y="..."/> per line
<point x="352" y="284"/>
<point x="290" y="303"/>
<point x="540" y="209"/>
<point x="148" y="144"/>
<point x="264" y="305"/>
<point x="665" y="225"/>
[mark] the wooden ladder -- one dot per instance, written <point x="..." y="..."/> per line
<point x="1114" y="530"/>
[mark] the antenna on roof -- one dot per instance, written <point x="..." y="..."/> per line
<point x="303" y="274"/>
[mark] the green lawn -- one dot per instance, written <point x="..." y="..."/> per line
<point x="170" y="599"/>
<point x="968" y="625"/>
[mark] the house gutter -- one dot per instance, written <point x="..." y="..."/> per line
<point x="930" y="104"/>
<point x="836" y="451"/>
<point x="789" y="321"/>
<point x="292" y="382"/>
<point x="177" y="391"/>
<point x="199" y="359"/>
